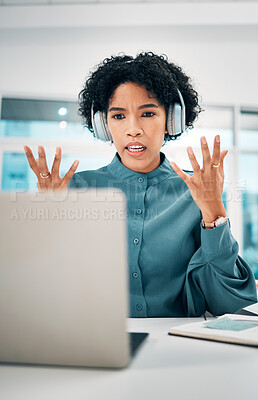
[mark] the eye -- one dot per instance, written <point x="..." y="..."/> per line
<point x="118" y="116"/>
<point x="148" y="114"/>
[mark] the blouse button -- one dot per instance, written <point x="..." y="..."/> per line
<point x="139" y="307"/>
<point x="135" y="275"/>
<point x="140" y="179"/>
<point x="136" y="241"/>
<point x="138" y="211"/>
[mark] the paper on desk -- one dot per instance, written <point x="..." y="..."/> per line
<point x="229" y="324"/>
<point x="237" y="317"/>
<point x="253" y="308"/>
<point x="200" y="331"/>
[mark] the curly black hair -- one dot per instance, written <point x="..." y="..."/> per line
<point x="160" y="77"/>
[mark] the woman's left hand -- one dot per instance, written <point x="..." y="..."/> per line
<point x="206" y="184"/>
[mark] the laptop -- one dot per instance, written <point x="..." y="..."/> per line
<point x="63" y="279"/>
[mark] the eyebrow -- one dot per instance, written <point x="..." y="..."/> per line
<point x="151" y="105"/>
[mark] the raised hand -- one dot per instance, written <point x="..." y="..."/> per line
<point x="46" y="179"/>
<point x="206" y="184"/>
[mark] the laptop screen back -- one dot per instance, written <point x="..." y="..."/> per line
<point x="63" y="278"/>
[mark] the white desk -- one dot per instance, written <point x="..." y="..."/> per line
<point x="165" y="367"/>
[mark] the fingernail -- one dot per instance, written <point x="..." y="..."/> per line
<point x="217" y="138"/>
<point x="204" y="140"/>
<point x="76" y="163"/>
<point x="58" y="151"/>
<point x="25" y="149"/>
<point x="190" y="150"/>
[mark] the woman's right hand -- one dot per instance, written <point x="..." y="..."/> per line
<point x="46" y="179"/>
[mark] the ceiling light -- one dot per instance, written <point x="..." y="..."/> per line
<point x="62" y="111"/>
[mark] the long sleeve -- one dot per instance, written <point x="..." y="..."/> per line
<point x="218" y="280"/>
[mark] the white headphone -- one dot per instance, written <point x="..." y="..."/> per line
<point x="175" y="121"/>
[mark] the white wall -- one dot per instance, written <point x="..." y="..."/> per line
<point x="222" y="58"/>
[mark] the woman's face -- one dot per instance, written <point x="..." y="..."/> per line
<point x="137" y="123"/>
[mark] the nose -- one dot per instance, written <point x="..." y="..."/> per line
<point x="133" y="128"/>
<point x="134" y="133"/>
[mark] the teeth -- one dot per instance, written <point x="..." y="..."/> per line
<point x="136" y="148"/>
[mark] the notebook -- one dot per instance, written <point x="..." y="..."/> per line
<point x="63" y="278"/>
<point x="228" y="328"/>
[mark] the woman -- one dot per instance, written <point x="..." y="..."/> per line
<point x="183" y="259"/>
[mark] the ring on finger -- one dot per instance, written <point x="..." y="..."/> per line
<point x="215" y="165"/>
<point x="45" y="176"/>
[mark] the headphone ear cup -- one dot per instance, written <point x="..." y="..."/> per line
<point x="100" y="127"/>
<point x="176" y="118"/>
<point x="107" y="133"/>
<point x="170" y="118"/>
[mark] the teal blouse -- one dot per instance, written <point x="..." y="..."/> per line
<point x="176" y="268"/>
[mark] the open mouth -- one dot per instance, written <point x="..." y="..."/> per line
<point x="135" y="149"/>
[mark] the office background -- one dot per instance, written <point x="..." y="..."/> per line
<point x="47" y="48"/>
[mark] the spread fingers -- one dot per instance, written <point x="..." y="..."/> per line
<point x="31" y="160"/>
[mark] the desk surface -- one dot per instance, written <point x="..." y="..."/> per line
<point x="165" y="367"/>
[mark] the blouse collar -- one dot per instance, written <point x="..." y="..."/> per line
<point x="127" y="175"/>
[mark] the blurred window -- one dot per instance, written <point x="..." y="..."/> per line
<point x="248" y="135"/>
<point x="248" y="167"/>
